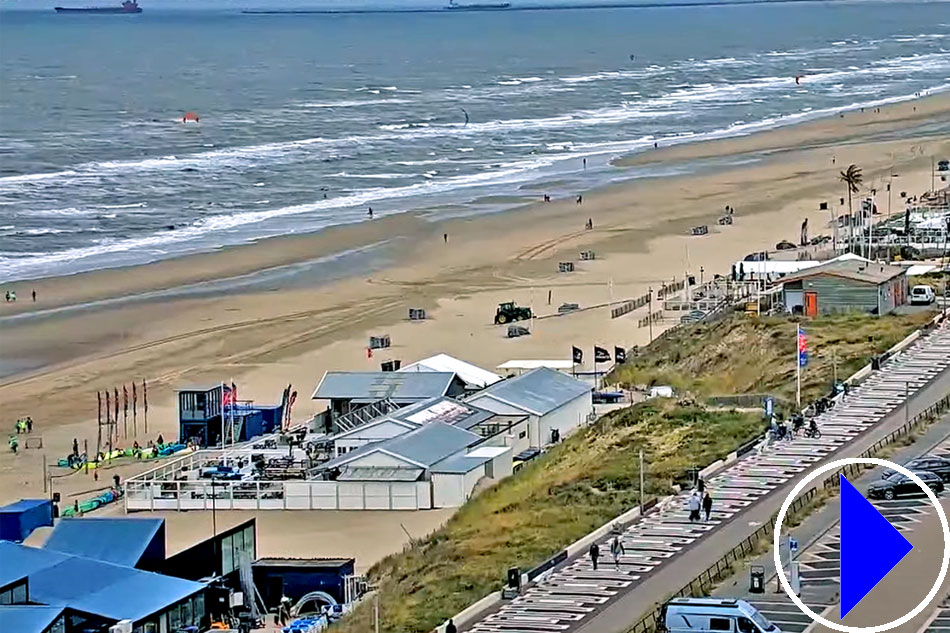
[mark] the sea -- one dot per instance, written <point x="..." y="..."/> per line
<point x="308" y="121"/>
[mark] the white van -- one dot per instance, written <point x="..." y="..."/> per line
<point x="714" y="615"/>
<point x="922" y="295"/>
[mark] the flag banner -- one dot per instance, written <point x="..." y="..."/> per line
<point x="227" y="395"/>
<point x="802" y="348"/>
<point x="601" y="355"/>
<point x="108" y="406"/>
<point x="234" y="390"/>
<point x="135" y="398"/>
<point x="577" y="355"/>
<point x="116" y="402"/>
<point x="125" y="400"/>
<point x="620" y="355"/>
<point x="145" y="395"/>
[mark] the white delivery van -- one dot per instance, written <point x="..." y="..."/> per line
<point x="714" y="615"/>
<point x="922" y="295"/>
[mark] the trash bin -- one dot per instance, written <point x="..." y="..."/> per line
<point x="757" y="579"/>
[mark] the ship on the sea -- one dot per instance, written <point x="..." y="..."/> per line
<point x="128" y="6"/>
<point x="495" y="6"/>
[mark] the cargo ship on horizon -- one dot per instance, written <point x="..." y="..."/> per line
<point x="494" y="6"/>
<point x="128" y="6"/>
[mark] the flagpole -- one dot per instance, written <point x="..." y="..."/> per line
<point x="222" y="420"/>
<point x="798" y="367"/>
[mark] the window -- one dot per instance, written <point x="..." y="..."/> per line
<point x="198" y="607"/>
<point x="227" y="555"/>
<point x="746" y="626"/>
<point x="186" y="615"/>
<point x="522" y="434"/>
<point x="174" y="618"/>
<point x="720" y="624"/>
<point x="19" y="594"/>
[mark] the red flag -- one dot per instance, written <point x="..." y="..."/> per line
<point x="125" y="399"/>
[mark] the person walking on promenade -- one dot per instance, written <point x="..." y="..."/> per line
<point x="693" y="504"/>
<point x="707" y="505"/>
<point x="450" y="627"/>
<point x="617" y="550"/>
<point x="594" y="554"/>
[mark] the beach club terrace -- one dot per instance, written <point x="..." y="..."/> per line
<point x="430" y="453"/>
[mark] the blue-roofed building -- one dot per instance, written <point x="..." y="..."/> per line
<point x="103" y="592"/>
<point x="19" y="519"/>
<point x="30" y="618"/>
<point x="555" y="403"/>
<point x="138" y="543"/>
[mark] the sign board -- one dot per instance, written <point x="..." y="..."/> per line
<point x="769" y="406"/>
<point x="792" y="545"/>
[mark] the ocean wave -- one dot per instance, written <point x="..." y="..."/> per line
<point x="131" y="205"/>
<point x="351" y="103"/>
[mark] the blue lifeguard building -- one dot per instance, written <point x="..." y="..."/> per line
<point x="202" y="417"/>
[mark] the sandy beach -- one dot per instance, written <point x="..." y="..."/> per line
<point x="56" y="353"/>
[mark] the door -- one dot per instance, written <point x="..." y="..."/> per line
<point x="811" y="304"/>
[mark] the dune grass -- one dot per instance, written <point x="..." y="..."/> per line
<point x="593" y="476"/>
<point x="740" y="354"/>
<point x="581" y="484"/>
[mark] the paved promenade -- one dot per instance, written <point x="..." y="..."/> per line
<point x="665" y="550"/>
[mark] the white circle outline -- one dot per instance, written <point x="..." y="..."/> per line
<point x="844" y="628"/>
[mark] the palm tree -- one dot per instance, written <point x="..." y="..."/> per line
<point x="852" y="179"/>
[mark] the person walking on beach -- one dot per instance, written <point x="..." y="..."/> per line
<point x="579" y="199"/>
<point x="693" y="503"/>
<point x="707" y="505"/>
<point x="584" y="160"/>
<point x="594" y="553"/>
<point x="370" y="213"/>
<point x="75" y="447"/>
<point x="445" y="238"/>
<point x="617" y="550"/>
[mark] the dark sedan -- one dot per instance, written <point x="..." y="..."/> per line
<point x="932" y="464"/>
<point x="898" y="485"/>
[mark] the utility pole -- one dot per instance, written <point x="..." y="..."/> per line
<point x="907" y="402"/>
<point x="376" y="609"/>
<point x="642" y="487"/>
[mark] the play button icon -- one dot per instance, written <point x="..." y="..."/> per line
<point x="870" y="547"/>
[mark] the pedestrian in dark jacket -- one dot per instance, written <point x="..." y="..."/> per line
<point x="594" y="555"/>
<point x="450" y="627"/>
<point x="707" y="505"/>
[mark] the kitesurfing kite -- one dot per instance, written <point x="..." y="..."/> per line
<point x="466" y="115"/>
<point x="798" y="80"/>
<point x="190" y="116"/>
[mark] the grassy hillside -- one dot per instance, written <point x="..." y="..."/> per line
<point x="593" y="476"/>
<point x="581" y="484"/>
<point x="745" y="355"/>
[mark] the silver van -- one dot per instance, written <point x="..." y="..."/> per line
<point x="714" y="615"/>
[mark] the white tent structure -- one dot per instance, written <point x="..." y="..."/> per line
<point x="472" y="375"/>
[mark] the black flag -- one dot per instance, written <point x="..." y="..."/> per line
<point x="601" y="355"/>
<point x="620" y="355"/>
<point x="577" y="355"/>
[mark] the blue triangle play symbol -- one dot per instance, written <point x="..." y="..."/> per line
<point x="870" y="547"/>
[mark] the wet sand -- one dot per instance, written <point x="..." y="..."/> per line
<point x="289" y="330"/>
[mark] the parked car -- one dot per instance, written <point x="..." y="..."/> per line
<point x="898" y="485"/>
<point x="922" y="295"/>
<point x="936" y="465"/>
<point x="714" y="615"/>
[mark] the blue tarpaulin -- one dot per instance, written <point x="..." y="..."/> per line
<point x="18" y="520"/>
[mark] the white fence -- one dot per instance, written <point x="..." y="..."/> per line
<point x="176" y="486"/>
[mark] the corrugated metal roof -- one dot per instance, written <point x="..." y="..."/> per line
<point x="376" y="385"/>
<point x="378" y="473"/>
<point x="446" y="410"/>
<point x="539" y="391"/>
<point x="119" y="541"/>
<point x="27" y="618"/>
<point x="423" y="446"/>
<point x="854" y="269"/>
<point x="91" y="586"/>
<point x="471" y="374"/>
<point x="459" y="464"/>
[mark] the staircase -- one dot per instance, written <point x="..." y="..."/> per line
<point x="364" y="414"/>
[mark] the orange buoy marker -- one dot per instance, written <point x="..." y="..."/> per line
<point x="190" y="116"/>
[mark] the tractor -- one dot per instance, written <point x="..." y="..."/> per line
<point x="508" y="312"/>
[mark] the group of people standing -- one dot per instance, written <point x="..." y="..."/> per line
<point x="700" y="501"/>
